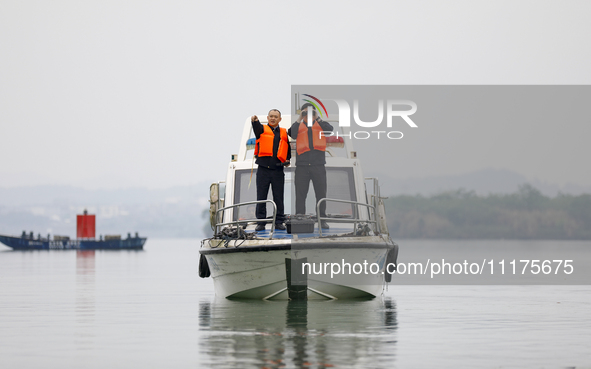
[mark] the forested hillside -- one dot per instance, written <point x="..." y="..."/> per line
<point x="526" y="214"/>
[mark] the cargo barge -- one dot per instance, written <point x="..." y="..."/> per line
<point x="85" y="240"/>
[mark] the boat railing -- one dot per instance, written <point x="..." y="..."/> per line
<point x="239" y="222"/>
<point x="355" y="219"/>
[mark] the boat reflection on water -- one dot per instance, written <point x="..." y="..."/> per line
<point x="85" y="300"/>
<point x="310" y="334"/>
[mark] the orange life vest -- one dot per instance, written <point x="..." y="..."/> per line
<point x="264" y="145"/>
<point x="318" y="140"/>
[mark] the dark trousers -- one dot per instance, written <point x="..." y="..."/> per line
<point x="276" y="180"/>
<point x="303" y="175"/>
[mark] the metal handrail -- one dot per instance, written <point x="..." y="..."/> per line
<point x="266" y="220"/>
<point x="374" y="197"/>
<point x="355" y="217"/>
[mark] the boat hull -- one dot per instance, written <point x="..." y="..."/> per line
<point x="19" y="243"/>
<point x="258" y="269"/>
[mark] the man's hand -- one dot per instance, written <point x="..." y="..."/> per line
<point x="286" y="163"/>
<point x="254" y="118"/>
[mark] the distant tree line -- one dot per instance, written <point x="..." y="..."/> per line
<point x="461" y="214"/>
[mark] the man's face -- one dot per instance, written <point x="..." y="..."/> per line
<point x="304" y="114"/>
<point x="274" y="118"/>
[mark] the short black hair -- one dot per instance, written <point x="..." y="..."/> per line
<point x="277" y="110"/>
<point x="306" y="105"/>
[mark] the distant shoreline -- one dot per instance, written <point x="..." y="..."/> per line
<point x="524" y="215"/>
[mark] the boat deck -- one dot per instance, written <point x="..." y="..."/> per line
<point x="282" y="234"/>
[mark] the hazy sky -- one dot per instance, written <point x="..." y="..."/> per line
<point x="108" y="94"/>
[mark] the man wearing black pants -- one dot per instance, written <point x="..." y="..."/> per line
<point x="310" y="159"/>
<point x="273" y="153"/>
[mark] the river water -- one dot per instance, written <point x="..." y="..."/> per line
<point x="149" y="309"/>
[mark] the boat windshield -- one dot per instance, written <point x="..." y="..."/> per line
<point x="340" y="184"/>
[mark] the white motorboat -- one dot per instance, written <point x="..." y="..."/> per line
<point x="274" y="264"/>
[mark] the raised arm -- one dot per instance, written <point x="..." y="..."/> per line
<point x="327" y="127"/>
<point x="293" y="130"/>
<point x="257" y="127"/>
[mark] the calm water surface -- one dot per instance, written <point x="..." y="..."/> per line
<point x="149" y="309"/>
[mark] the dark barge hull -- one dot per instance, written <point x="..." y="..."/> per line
<point x="19" y="243"/>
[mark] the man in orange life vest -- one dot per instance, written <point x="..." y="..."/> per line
<point x="273" y="153"/>
<point x="310" y="159"/>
